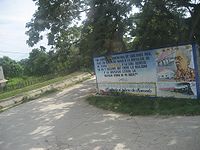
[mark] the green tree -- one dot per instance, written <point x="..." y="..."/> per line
<point x="67" y="48"/>
<point x="103" y="31"/>
<point x="24" y="64"/>
<point x="107" y="26"/>
<point x="10" y="67"/>
<point x="37" y="63"/>
<point x="165" y="22"/>
<point x="193" y="8"/>
<point x="53" y="16"/>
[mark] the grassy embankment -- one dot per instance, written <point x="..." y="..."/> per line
<point x="36" y="86"/>
<point x="134" y="105"/>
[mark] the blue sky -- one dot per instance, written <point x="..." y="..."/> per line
<point x="14" y="14"/>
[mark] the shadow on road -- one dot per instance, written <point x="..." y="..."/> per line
<point x="65" y="121"/>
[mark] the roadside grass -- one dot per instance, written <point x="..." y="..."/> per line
<point x="43" y="94"/>
<point x="135" y="105"/>
<point x="24" y="81"/>
<point x="27" y="99"/>
<point x="14" y="81"/>
<point x="51" y="91"/>
<point x="36" y="86"/>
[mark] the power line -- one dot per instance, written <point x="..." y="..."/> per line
<point x="12" y="52"/>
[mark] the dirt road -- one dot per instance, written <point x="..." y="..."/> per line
<point x="64" y="121"/>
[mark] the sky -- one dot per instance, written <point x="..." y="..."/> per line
<point x="14" y="14"/>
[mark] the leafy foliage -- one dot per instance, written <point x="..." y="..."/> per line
<point x="10" y="67"/>
<point x="162" y="23"/>
<point x="37" y="63"/>
<point x="54" y="16"/>
<point x="109" y="27"/>
<point x="104" y="28"/>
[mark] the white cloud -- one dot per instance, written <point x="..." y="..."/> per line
<point x="9" y="19"/>
<point x="14" y="14"/>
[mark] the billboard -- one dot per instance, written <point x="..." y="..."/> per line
<point x="164" y="72"/>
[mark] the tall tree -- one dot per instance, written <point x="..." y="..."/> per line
<point x="104" y="28"/>
<point x="165" y="22"/>
<point x="53" y="16"/>
<point x="159" y="23"/>
<point x="37" y="63"/>
<point x="193" y="8"/>
<point x="11" y="68"/>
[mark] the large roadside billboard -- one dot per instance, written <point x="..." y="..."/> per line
<point x="164" y="72"/>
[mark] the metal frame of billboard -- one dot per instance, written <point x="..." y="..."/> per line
<point x="195" y="50"/>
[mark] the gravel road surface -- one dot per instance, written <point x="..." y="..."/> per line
<point x="65" y="121"/>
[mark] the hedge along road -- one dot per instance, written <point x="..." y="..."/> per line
<point x="65" y="120"/>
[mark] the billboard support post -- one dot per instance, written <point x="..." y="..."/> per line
<point x="196" y="63"/>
